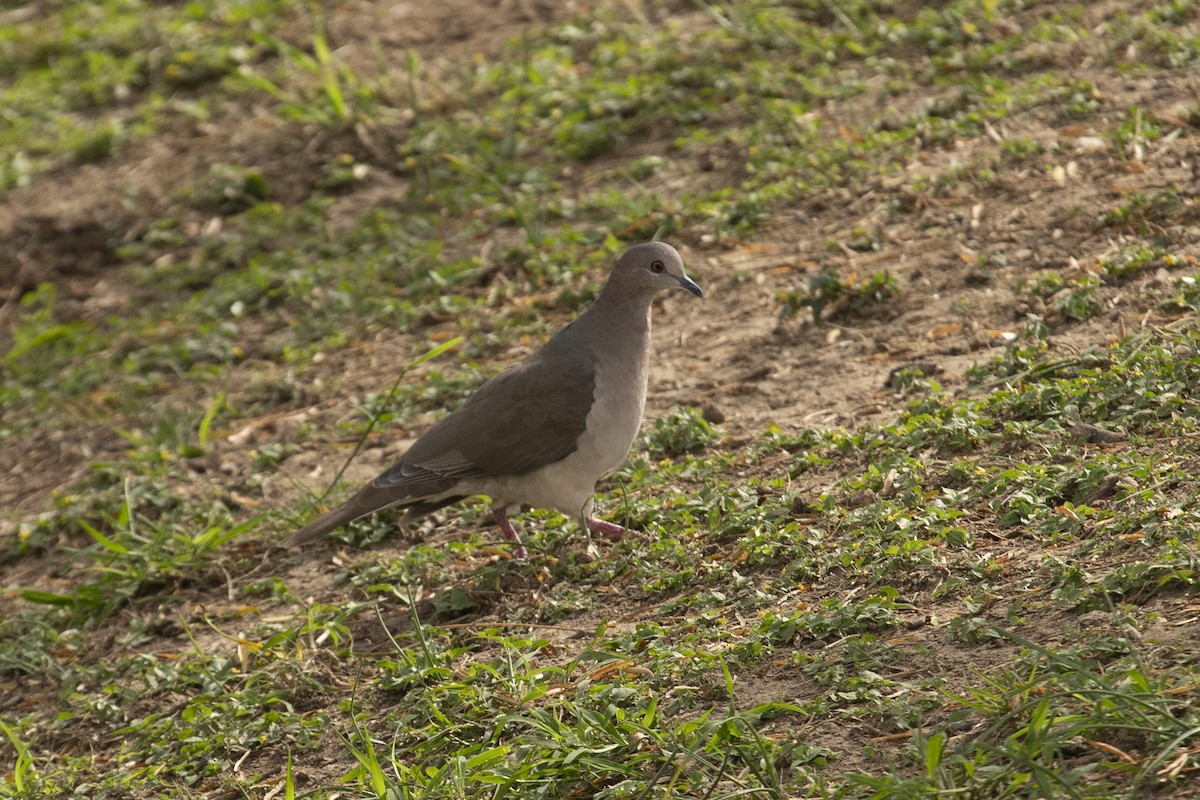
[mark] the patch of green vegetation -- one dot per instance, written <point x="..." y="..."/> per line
<point x="1075" y="299"/>
<point x="133" y="558"/>
<point x="520" y="721"/>
<point x="1142" y="213"/>
<point x="1079" y="298"/>
<point x="88" y="76"/>
<point x="225" y="715"/>
<point x="1020" y="149"/>
<point x="1033" y="714"/>
<point x="229" y="190"/>
<point x="46" y="358"/>
<point x="1135" y="261"/>
<point x="1186" y="295"/>
<point x="1138" y="130"/>
<point x="840" y="298"/>
<point x="682" y="431"/>
<point x="1160" y="38"/>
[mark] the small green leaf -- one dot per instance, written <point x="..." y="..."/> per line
<point x="107" y="543"/>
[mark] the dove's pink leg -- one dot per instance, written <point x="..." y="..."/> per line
<point x="500" y="514"/>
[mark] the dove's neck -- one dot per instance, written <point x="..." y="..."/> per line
<point x="619" y="324"/>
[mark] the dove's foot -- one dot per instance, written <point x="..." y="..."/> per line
<point x="604" y="528"/>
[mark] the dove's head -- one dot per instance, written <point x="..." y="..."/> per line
<point x="650" y="267"/>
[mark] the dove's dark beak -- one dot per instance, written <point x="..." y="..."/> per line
<point x="690" y="285"/>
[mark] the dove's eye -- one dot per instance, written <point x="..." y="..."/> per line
<point x="656" y="266"/>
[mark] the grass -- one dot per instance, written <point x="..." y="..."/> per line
<point x="90" y="79"/>
<point x="657" y="704"/>
<point x="964" y="597"/>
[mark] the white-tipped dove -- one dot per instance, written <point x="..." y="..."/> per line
<point x="544" y="431"/>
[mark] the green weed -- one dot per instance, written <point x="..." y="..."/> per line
<point x="840" y="298"/>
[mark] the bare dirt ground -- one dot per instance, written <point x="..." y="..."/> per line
<point x="732" y="353"/>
